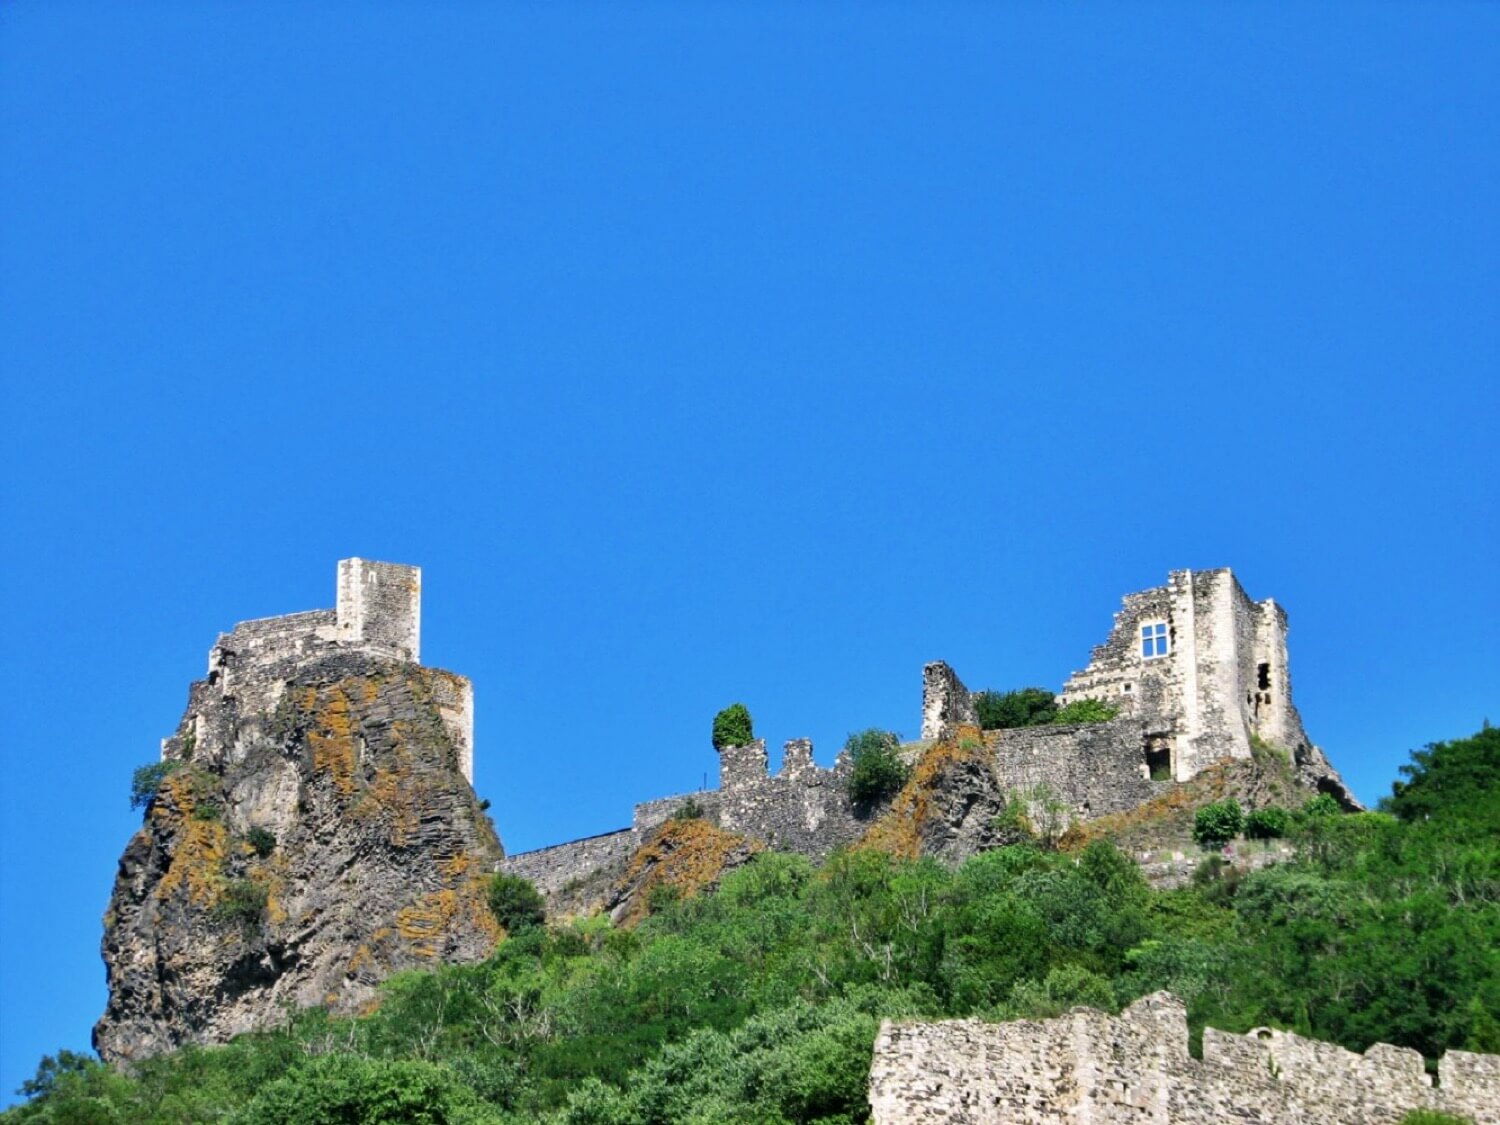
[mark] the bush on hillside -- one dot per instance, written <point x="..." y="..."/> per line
<point x="878" y="770"/>
<point x="515" y="903"/>
<point x="1005" y="710"/>
<point x="732" y="727"/>
<point x="1269" y="823"/>
<point x="1455" y="779"/>
<point x="1216" y="824"/>
<point x="261" y="840"/>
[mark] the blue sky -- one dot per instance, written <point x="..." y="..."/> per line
<point x="715" y="352"/>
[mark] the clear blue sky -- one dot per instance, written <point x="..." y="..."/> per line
<point x="715" y="352"/>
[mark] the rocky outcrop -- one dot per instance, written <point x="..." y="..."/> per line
<point x="320" y="841"/>
<point x="683" y="857"/>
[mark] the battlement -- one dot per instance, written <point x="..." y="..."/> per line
<point x="1091" y="1066"/>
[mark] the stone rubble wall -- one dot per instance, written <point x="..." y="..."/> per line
<point x="380" y="607"/>
<point x="1093" y="768"/>
<point x="946" y="703"/>
<point x="1088" y="1066"/>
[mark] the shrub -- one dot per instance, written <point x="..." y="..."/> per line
<point x="1025" y="707"/>
<point x="732" y="727"/>
<point x="242" y="903"/>
<point x="1216" y="824"/>
<point x="878" y="770"/>
<point x="1433" y="1117"/>
<point x="688" y="810"/>
<point x="146" y="781"/>
<point x="1322" y="805"/>
<point x="1086" y="711"/>
<point x="1269" y="823"/>
<point x="515" y="903"/>
<point x="262" y="841"/>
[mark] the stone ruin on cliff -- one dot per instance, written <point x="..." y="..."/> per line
<point x="1196" y="669"/>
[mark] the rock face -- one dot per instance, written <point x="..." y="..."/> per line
<point x="316" y="833"/>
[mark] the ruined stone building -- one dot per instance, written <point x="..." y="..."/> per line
<point x="1195" y="667"/>
<point x="1090" y="1067"/>
<point x="379" y="614"/>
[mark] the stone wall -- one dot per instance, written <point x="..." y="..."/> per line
<point x="380" y="607"/>
<point x="1094" y="768"/>
<point x="1088" y="1066"/>
<point x="553" y="869"/>
<point x="946" y="703"/>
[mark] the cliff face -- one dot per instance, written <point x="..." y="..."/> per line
<point x="309" y="848"/>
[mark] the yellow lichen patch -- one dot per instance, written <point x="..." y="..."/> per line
<point x="687" y="855"/>
<point x="898" y="832"/>
<point x="394" y="792"/>
<point x="332" y="740"/>
<point x="460" y="903"/>
<point x="198" y="861"/>
<point x="365" y="954"/>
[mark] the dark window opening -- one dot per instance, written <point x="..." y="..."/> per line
<point x="1158" y="761"/>
<point x="1263" y="677"/>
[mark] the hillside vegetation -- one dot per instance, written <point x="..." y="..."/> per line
<point x="759" y="1002"/>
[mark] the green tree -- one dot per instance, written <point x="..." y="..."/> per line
<point x="1459" y="780"/>
<point x="732" y="727"/>
<point x="515" y="903"/>
<point x="1269" y="823"/>
<point x="1216" y="824"/>
<point x="333" y="1089"/>
<point x="1024" y="707"/>
<point x="146" y="781"/>
<point x="877" y="770"/>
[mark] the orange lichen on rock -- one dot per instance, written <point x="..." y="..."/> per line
<point x="198" y="861"/>
<point x="332" y="740"/>
<point x="461" y="903"/>
<point x="898" y="832"/>
<point x="688" y="855"/>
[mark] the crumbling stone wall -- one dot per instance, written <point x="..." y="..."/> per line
<point x="946" y="703"/>
<point x="1093" y="768"/>
<point x="1088" y="1066"/>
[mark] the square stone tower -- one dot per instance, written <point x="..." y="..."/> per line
<point x="380" y="607"/>
<point x="1203" y="666"/>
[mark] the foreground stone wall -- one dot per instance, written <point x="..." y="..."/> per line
<point x="1088" y="1066"/>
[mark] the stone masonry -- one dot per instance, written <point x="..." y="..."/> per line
<point x="1202" y="665"/>
<point x="1088" y="1066"/>
<point x="378" y="614"/>
<point x="1195" y="667"/>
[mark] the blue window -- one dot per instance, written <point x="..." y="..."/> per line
<point x="1154" y="639"/>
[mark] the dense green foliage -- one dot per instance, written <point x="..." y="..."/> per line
<point x="1216" y="824"/>
<point x="759" y="1003"/>
<point x="1024" y="707"/>
<point x="1457" y="780"/>
<point x="732" y="727"/>
<point x="1035" y="707"/>
<point x="1269" y="823"/>
<point x="877" y="769"/>
<point x="146" y="780"/>
<point x="242" y="903"/>
<point x="515" y="903"/>
<point x="1086" y="711"/>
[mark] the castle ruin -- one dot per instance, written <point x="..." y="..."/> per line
<point x="378" y="613"/>
<point x="1088" y="1066"/>
<point x="1195" y="669"/>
